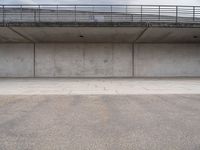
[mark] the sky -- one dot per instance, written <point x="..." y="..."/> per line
<point x="141" y="2"/>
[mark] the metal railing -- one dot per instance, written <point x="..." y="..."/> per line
<point x="99" y="13"/>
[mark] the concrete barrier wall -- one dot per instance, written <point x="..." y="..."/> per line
<point x="99" y="60"/>
<point x="83" y="60"/>
<point x="166" y="60"/>
<point x="16" y="60"/>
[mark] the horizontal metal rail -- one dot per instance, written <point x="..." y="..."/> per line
<point x="99" y="13"/>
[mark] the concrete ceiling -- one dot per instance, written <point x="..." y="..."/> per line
<point x="170" y="35"/>
<point x="7" y="35"/>
<point x="80" y="34"/>
<point x="99" y="34"/>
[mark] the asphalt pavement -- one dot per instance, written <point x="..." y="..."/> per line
<point x="100" y="122"/>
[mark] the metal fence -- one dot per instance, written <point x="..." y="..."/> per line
<point x="99" y="13"/>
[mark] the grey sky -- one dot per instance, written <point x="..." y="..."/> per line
<point x="152" y="2"/>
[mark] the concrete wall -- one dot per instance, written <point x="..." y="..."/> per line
<point x="166" y="60"/>
<point x="16" y="60"/>
<point x="83" y="60"/>
<point x="99" y="60"/>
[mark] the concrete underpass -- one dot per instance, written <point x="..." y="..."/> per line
<point x="99" y="51"/>
<point x="99" y="77"/>
<point x="99" y="41"/>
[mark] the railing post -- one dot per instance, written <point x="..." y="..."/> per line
<point x="132" y="15"/>
<point x="111" y="12"/>
<point x="57" y="13"/>
<point x="126" y="12"/>
<point x="21" y="12"/>
<point x="3" y="15"/>
<point x="93" y="14"/>
<point x="35" y="13"/>
<point x="159" y="12"/>
<point x="39" y="13"/>
<point x="141" y="12"/>
<point x="194" y="13"/>
<point x="176" y="14"/>
<point x="75" y="13"/>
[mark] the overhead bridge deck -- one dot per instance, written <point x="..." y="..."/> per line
<point x="80" y="23"/>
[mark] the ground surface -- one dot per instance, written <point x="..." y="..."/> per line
<point x="100" y="114"/>
<point x="87" y="86"/>
<point x="139" y="122"/>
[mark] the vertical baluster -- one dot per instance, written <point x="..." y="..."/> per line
<point x="3" y="15"/>
<point x="176" y="14"/>
<point x="75" y="12"/>
<point x="194" y="13"/>
<point x="56" y="13"/>
<point x="159" y="13"/>
<point x="141" y="13"/>
<point x="20" y="12"/>
<point x="39" y="13"/>
<point x="126" y="13"/>
<point x="111" y="13"/>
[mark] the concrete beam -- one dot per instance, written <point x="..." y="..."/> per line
<point x="99" y="35"/>
<point x="102" y="24"/>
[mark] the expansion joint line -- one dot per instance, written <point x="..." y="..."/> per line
<point x="34" y="74"/>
